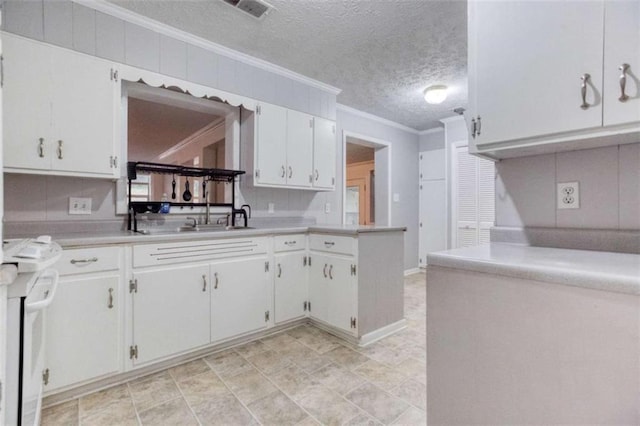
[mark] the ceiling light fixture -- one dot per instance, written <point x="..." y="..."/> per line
<point x="435" y="94"/>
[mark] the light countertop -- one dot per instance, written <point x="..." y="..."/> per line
<point x="608" y="271"/>
<point x="82" y="239"/>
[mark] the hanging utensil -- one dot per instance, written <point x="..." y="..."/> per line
<point x="204" y="189"/>
<point x="186" y="195"/>
<point x="173" y="188"/>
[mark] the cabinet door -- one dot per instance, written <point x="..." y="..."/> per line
<point x="83" y="330"/>
<point x="528" y="61"/>
<point x="170" y="311"/>
<point x="342" y="293"/>
<point x="85" y="99"/>
<point x="27" y="104"/>
<point x="621" y="46"/>
<point x="238" y="297"/>
<point x="324" y="153"/>
<point x="271" y="144"/>
<point x="299" y="148"/>
<point x="291" y="289"/>
<point x="318" y="287"/>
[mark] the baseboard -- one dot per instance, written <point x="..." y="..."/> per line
<point x="383" y="332"/>
<point x="411" y="271"/>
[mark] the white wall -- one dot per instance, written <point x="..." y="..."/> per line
<point x="609" y="189"/>
<point x="404" y="173"/>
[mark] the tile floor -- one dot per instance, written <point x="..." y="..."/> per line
<point x="302" y="376"/>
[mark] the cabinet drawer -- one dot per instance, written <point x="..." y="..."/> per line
<point x="193" y="251"/>
<point x="85" y="260"/>
<point x="289" y="242"/>
<point x="332" y="243"/>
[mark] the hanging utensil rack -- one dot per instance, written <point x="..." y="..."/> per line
<point x="212" y="175"/>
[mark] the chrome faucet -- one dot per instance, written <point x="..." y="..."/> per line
<point x="205" y="190"/>
<point x="194" y="222"/>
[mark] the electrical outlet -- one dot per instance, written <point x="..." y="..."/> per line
<point x="396" y="197"/>
<point x="79" y="205"/>
<point x="568" y="195"/>
<point x="327" y="207"/>
<point x="271" y="207"/>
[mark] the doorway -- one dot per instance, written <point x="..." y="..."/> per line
<point x="367" y="180"/>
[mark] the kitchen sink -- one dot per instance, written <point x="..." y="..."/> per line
<point x="188" y="229"/>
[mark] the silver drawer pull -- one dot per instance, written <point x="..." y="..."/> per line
<point x="329" y="243"/>
<point x="60" y="143"/>
<point x="279" y="270"/>
<point x="290" y="243"/>
<point x="330" y="272"/>
<point x="623" y="82"/>
<point x="110" y="304"/>
<point x="583" y="90"/>
<point x="324" y="270"/>
<point x="92" y="260"/>
<point x="204" y="283"/>
<point x="41" y="148"/>
<point x="215" y="286"/>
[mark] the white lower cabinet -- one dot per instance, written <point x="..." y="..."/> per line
<point x="84" y="336"/>
<point x="239" y="302"/>
<point x="291" y="289"/>
<point x="170" y="311"/>
<point x="333" y="291"/>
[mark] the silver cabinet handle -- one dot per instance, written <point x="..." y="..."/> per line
<point x="204" y="283"/>
<point x="290" y="172"/>
<point x="479" y="126"/>
<point x="329" y="243"/>
<point x="215" y="275"/>
<point x="41" y="148"/>
<point x="283" y="172"/>
<point x="60" y="143"/>
<point x="623" y="82"/>
<point x="279" y="270"/>
<point x="583" y="90"/>
<point x="330" y="270"/>
<point x="317" y="174"/>
<point x="92" y="260"/>
<point x="324" y="270"/>
<point x="473" y="128"/>
<point x="110" y="304"/>
<point x="290" y="243"/>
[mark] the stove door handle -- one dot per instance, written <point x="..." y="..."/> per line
<point x="53" y="275"/>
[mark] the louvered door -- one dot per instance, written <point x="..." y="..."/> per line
<point x="475" y="199"/>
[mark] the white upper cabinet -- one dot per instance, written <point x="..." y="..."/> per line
<point x="299" y="148"/>
<point x="621" y="62"/>
<point x="324" y="153"/>
<point x="271" y="145"/>
<point x="293" y="149"/>
<point x="536" y="80"/>
<point x="60" y="111"/>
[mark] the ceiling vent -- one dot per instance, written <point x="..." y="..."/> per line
<point x="256" y="8"/>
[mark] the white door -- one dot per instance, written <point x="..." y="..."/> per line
<point x="324" y="153"/>
<point x="84" y="113"/>
<point x="170" y="311"/>
<point x="621" y="46"/>
<point x="83" y="322"/>
<point x="342" y="293"/>
<point x="319" y="287"/>
<point x="27" y="103"/>
<point x="238" y="297"/>
<point x="299" y="148"/>
<point x="291" y="288"/>
<point x="528" y="59"/>
<point x="474" y="198"/>
<point x="271" y="144"/>
<point x="433" y="203"/>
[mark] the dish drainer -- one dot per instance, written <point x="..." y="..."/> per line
<point x="211" y="175"/>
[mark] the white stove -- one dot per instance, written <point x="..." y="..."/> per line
<point x="29" y="295"/>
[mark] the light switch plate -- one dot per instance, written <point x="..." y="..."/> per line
<point x="327" y="207"/>
<point x="271" y="207"/>
<point x="79" y="205"/>
<point x="396" y="197"/>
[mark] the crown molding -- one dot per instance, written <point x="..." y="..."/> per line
<point x="164" y="29"/>
<point x="452" y="119"/>
<point x="429" y="131"/>
<point x="341" y="107"/>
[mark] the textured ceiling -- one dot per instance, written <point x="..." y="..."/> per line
<point x="381" y="53"/>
